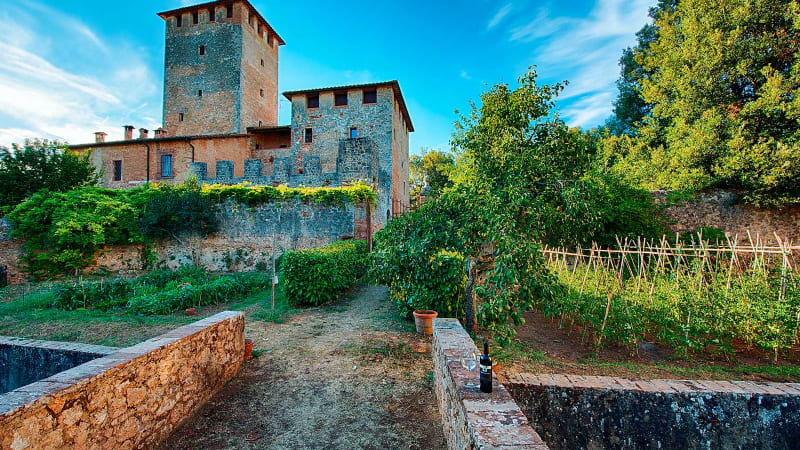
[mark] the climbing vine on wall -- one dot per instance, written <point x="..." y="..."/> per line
<point x="64" y="231"/>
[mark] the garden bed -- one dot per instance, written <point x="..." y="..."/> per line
<point x="542" y="347"/>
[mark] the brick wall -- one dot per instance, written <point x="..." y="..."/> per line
<point x="472" y="419"/>
<point x="724" y="210"/>
<point x="130" y="399"/>
<point x="572" y="411"/>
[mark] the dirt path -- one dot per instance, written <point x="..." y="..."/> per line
<point x="349" y="375"/>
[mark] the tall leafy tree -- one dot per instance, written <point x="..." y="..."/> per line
<point x="524" y="178"/>
<point x="40" y="164"/>
<point x="724" y="86"/>
<point x="629" y="107"/>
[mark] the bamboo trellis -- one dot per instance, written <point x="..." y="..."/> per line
<point x="641" y="258"/>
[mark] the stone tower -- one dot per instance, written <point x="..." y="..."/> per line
<point x="220" y="69"/>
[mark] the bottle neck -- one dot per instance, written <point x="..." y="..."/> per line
<point x="485" y="347"/>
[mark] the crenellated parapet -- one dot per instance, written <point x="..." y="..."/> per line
<point x="357" y="161"/>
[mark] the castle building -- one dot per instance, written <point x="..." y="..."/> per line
<point x="221" y="112"/>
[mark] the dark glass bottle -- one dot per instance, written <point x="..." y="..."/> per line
<point x="486" y="369"/>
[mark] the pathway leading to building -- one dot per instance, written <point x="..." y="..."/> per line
<point x="350" y="375"/>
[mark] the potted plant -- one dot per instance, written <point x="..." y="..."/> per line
<point x="423" y="318"/>
<point x="248" y="349"/>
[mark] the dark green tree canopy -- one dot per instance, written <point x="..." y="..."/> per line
<point x="41" y="164"/>
<point x="629" y="107"/>
<point x="724" y="79"/>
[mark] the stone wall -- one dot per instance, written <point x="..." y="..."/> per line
<point x="724" y="210"/>
<point x="130" y="399"/>
<point x="472" y="419"/>
<point x="24" y="361"/>
<point x="243" y="243"/>
<point x="571" y="411"/>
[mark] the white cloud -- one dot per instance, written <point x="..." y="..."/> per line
<point x="586" y="48"/>
<point x="499" y="16"/>
<point x="465" y="75"/>
<point x="58" y="90"/>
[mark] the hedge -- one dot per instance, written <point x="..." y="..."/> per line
<point x="317" y="276"/>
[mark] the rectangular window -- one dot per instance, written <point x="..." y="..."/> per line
<point x="340" y="99"/>
<point x="202" y="50"/>
<point x="180" y="117"/>
<point x="262" y="63"/>
<point x="354" y="133"/>
<point x="179" y="21"/>
<point x="229" y="10"/>
<point x="195" y="18"/>
<point x="166" y="166"/>
<point x="371" y="96"/>
<point x="118" y="170"/>
<point x="312" y="101"/>
<point x="262" y="92"/>
<point x="309" y="135"/>
<point x="269" y="38"/>
<point x="212" y="15"/>
<point x="200" y="93"/>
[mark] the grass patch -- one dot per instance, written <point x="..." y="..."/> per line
<point x="374" y="351"/>
<point x="516" y="351"/>
<point x="524" y="357"/>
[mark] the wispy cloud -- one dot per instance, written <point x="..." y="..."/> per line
<point x="465" y="75"/>
<point x="499" y="16"/>
<point x="61" y="89"/>
<point x="587" y="48"/>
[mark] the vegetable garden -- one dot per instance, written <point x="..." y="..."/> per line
<point x="696" y="297"/>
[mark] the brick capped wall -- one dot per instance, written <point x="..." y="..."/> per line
<point x="573" y="411"/>
<point x="132" y="398"/>
<point x="472" y="419"/>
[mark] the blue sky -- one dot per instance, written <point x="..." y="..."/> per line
<point x="70" y="68"/>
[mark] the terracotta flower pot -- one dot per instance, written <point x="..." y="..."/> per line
<point x="191" y="311"/>
<point x="248" y="349"/>
<point x="423" y="318"/>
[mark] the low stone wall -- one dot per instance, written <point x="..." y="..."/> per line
<point x="724" y="210"/>
<point x="23" y="361"/>
<point x="472" y="419"/>
<point x="132" y="398"/>
<point x="571" y="411"/>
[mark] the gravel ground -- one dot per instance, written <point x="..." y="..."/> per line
<point x="349" y="375"/>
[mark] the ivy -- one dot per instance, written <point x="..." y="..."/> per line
<point x="64" y="231"/>
<point x="256" y="195"/>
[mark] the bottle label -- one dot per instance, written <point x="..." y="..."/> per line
<point x="485" y="369"/>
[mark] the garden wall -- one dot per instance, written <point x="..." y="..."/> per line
<point x="244" y="239"/>
<point x="132" y="398"/>
<point x="724" y="210"/>
<point x="571" y="411"/>
<point x="472" y="419"/>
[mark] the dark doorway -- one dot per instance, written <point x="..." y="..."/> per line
<point x="3" y="276"/>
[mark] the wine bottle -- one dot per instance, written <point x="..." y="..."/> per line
<point x="486" y="369"/>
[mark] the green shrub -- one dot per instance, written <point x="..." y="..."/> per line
<point x="317" y="276"/>
<point x="177" y="296"/>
